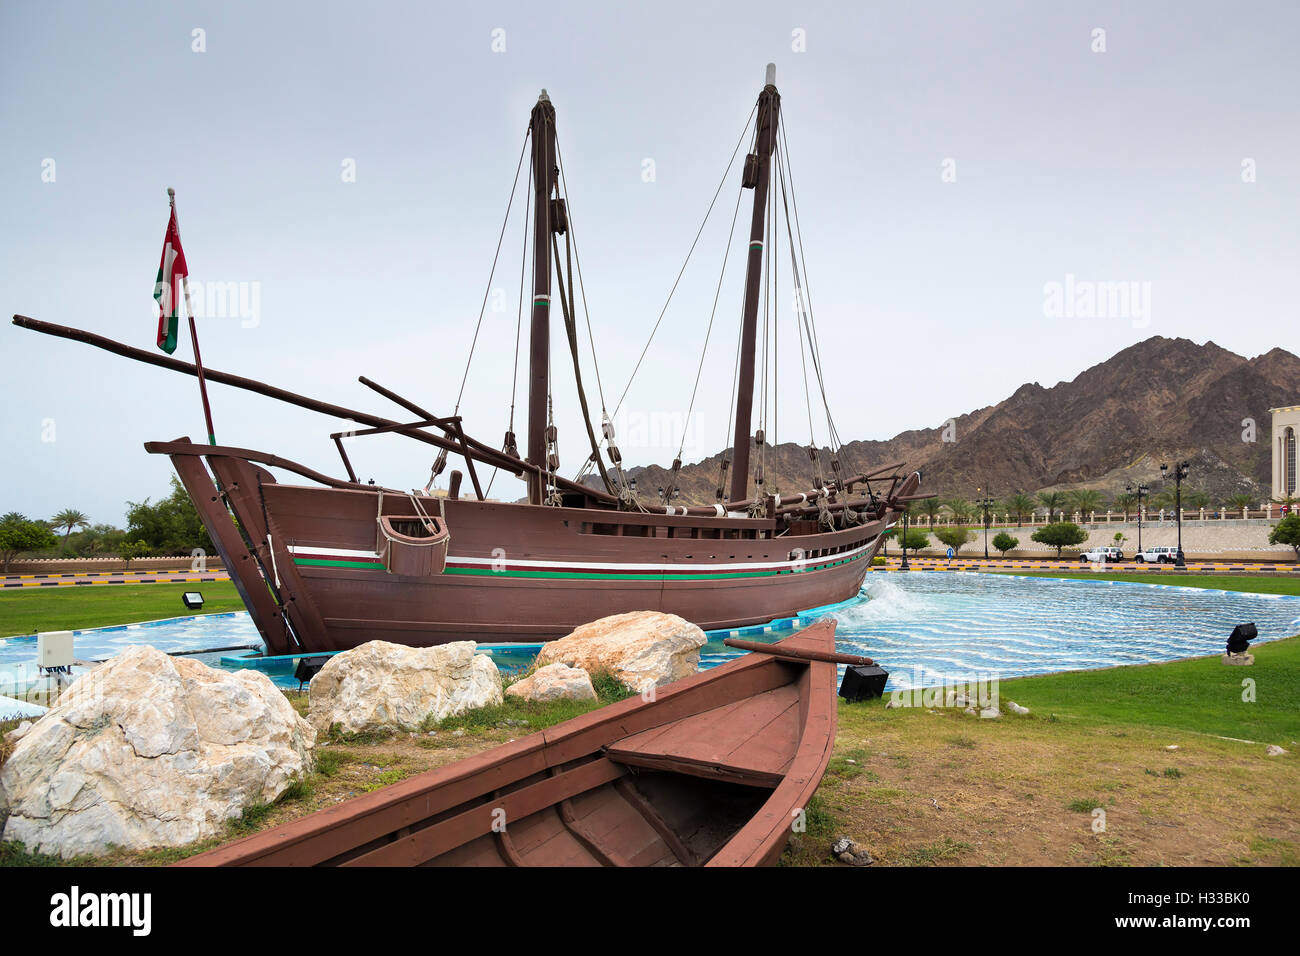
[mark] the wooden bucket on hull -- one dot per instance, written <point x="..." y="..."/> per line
<point x="414" y="546"/>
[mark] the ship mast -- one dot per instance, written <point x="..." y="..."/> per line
<point x="544" y="175"/>
<point x="757" y="174"/>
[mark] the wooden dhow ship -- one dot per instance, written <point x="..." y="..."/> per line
<point x="330" y="564"/>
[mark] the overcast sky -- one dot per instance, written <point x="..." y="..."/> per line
<point x="951" y="162"/>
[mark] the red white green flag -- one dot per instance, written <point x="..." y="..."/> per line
<point x="167" y="287"/>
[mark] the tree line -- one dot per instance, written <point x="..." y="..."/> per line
<point x="169" y="527"/>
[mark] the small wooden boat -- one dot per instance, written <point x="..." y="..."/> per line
<point x="715" y="770"/>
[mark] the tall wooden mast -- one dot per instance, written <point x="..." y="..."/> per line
<point x="757" y="172"/>
<point x="544" y="174"/>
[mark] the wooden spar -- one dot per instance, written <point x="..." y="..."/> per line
<point x="543" y="133"/>
<point x="483" y="452"/>
<point x="797" y="653"/>
<point x="769" y="104"/>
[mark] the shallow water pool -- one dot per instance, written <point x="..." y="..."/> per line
<point x="922" y="627"/>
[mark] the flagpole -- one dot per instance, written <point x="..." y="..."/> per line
<point x="194" y="337"/>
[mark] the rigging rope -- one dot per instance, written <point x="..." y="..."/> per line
<point x="488" y="291"/>
<point x="726" y="257"/>
<point x="682" y="270"/>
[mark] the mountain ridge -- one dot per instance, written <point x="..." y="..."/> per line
<point x="1157" y="400"/>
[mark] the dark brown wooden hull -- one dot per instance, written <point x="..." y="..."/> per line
<point x="716" y="770"/>
<point x="514" y="572"/>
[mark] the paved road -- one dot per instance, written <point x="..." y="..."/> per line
<point x="110" y="577"/>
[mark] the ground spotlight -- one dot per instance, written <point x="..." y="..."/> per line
<point x="863" y="682"/>
<point x="193" y="600"/>
<point x="309" y="667"/>
<point x="1239" y="640"/>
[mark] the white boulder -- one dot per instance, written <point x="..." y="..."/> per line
<point x="554" y="682"/>
<point x="638" y="648"/>
<point x="19" y="732"/>
<point x="149" y="750"/>
<point x="381" y="686"/>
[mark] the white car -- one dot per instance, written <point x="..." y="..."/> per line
<point x="1102" y="555"/>
<point x="1157" y="556"/>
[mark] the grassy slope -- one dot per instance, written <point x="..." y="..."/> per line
<point x="1256" y="584"/>
<point x="1200" y="694"/>
<point x="932" y="786"/>
<point x="28" y="610"/>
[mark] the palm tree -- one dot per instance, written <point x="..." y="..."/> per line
<point x="68" y="519"/>
<point x="1052" y="501"/>
<point x="1240" y="502"/>
<point x="961" y="509"/>
<point x="931" y="507"/>
<point x="1162" y="500"/>
<point x="1085" y="500"/>
<point x="1195" y="499"/>
<point x="1126" y="501"/>
<point x="1020" y="504"/>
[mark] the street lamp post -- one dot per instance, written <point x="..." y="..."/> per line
<point x="903" y="543"/>
<point x="985" y="504"/>
<point x="1180" y="472"/>
<point x="1141" y="492"/>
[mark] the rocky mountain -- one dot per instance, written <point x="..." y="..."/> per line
<point x="1159" y="400"/>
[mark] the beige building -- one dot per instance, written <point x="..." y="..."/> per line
<point x="1286" y="428"/>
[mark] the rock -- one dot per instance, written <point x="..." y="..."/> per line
<point x="638" y="648"/>
<point x="554" y="682"/>
<point x="19" y="732"/>
<point x="1172" y="747"/>
<point x="1016" y="708"/>
<point x="969" y="711"/>
<point x="850" y="852"/>
<point x="990" y="713"/>
<point x="149" y="750"/>
<point x="1239" y="660"/>
<point x="1274" y="751"/>
<point x="382" y="687"/>
<point x="893" y="704"/>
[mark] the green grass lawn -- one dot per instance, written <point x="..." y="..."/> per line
<point x="28" y="610"/>
<point x="1258" y="584"/>
<point x="1199" y="694"/>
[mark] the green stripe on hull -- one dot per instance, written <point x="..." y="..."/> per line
<point x="580" y="575"/>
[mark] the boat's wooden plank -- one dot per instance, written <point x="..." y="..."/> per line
<point x="749" y="740"/>
<point x="709" y="769"/>
<point x="642" y="806"/>
<point x="544" y="840"/>
<point x="684" y="698"/>
<point x="623" y="835"/>
<point x="483" y="851"/>
<point x="762" y="839"/>
<point x="437" y="839"/>
<point x="772" y="747"/>
<point x="646" y="739"/>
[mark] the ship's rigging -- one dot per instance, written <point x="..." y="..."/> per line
<point x="548" y="215"/>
